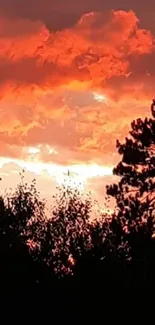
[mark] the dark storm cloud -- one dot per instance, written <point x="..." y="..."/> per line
<point x="59" y="14"/>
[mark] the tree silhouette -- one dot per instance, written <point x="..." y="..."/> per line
<point x="133" y="224"/>
<point x="65" y="234"/>
<point x="39" y="253"/>
<point x="17" y="212"/>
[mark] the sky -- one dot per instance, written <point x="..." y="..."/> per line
<point x="73" y="75"/>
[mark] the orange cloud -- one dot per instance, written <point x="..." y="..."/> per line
<point x="21" y="38"/>
<point x="107" y="53"/>
<point x="97" y="48"/>
<point x="100" y="127"/>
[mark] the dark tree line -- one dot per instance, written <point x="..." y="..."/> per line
<point x="40" y="255"/>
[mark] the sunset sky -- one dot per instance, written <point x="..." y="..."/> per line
<point x="73" y="75"/>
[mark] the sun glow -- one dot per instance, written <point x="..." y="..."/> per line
<point x="99" y="97"/>
<point x="33" y="150"/>
<point x="77" y="175"/>
<point x="74" y="175"/>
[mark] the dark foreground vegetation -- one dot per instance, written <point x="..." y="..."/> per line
<point x="45" y="260"/>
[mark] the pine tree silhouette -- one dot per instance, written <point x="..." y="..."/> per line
<point x="134" y="223"/>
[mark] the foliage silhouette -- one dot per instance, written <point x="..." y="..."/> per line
<point x="41" y="254"/>
<point x="17" y="268"/>
<point x="134" y="223"/>
<point x="75" y="247"/>
<point x="65" y="235"/>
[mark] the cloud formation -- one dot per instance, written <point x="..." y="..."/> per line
<point x="61" y="14"/>
<point x="48" y="78"/>
<point x="97" y="48"/>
